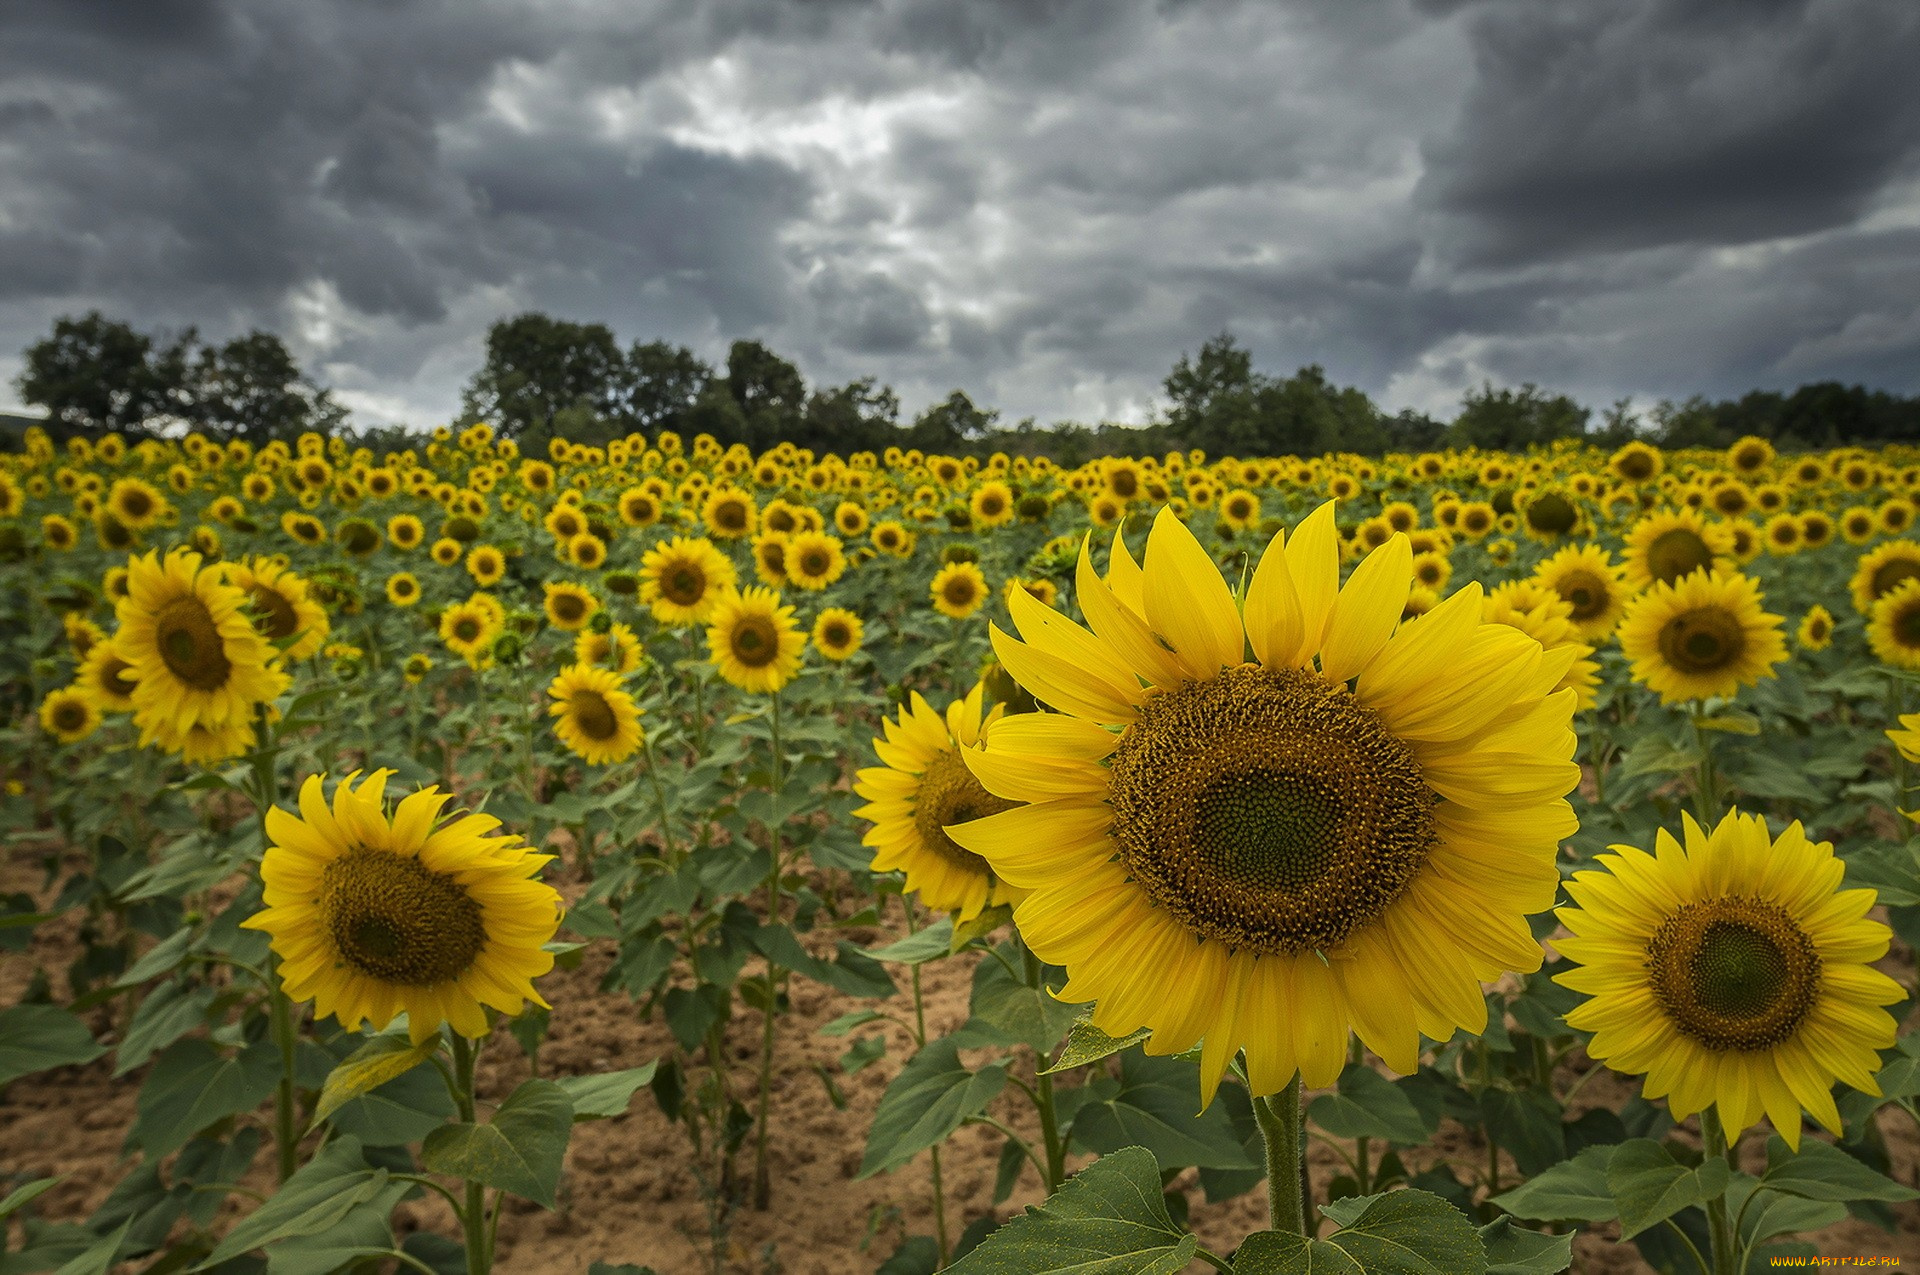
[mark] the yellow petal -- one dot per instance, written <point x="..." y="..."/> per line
<point x="1367" y="609"/>
<point x="1188" y="603"/>
<point x="1062" y="684"/>
<point x="1313" y="561"/>
<point x="1271" y="612"/>
<point x="1023" y="778"/>
<point x="1118" y="625"/>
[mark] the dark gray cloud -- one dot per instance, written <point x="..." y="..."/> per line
<point x="1044" y="202"/>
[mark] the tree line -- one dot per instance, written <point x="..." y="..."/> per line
<point x="542" y="377"/>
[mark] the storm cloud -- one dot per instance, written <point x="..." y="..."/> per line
<point x="1042" y="203"/>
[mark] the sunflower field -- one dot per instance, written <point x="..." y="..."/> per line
<point x="660" y="857"/>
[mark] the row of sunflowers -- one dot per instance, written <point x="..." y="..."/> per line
<point x="1525" y="830"/>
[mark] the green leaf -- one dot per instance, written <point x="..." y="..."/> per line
<point x="1513" y="1251"/>
<point x="1650" y="1186"/>
<point x="326" y="1190"/>
<point x="981" y="927"/>
<point x="930" y="1098"/>
<point x="194" y="1084"/>
<point x="1575" y="1190"/>
<point x="1656" y="755"/>
<point x="26" y="1195"/>
<point x="1087" y="1043"/>
<point x="1526" y="1124"/>
<point x="1734" y="721"/>
<point x="373" y="1064"/>
<point x="1406" y="1232"/>
<point x="1368" y="1105"/>
<point x="163" y="958"/>
<point x="1108" y="1219"/>
<point x="1775" y="1213"/>
<point x="854" y="972"/>
<point x="1155" y="1107"/>
<point x="1018" y="1013"/>
<point x="37" y="1037"/>
<point x="919" y="947"/>
<point x="98" y="1259"/>
<point x="851" y="1021"/>
<point x="398" y="1113"/>
<point x="1821" y="1171"/>
<point x="519" y="1151"/>
<point x="168" y="1013"/>
<point x="604" y="1095"/>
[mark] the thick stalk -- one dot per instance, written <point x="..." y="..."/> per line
<point x="762" y="1187"/>
<point x="1706" y="780"/>
<point x="659" y="796"/>
<point x="1279" y="1120"/>
<point x="286" y="1131"/>
<point x="473" y="1219"/>
<point x="920" y="1041"/>
<point x="1043" y="1091"/>
<point x="1719" y="1225"/>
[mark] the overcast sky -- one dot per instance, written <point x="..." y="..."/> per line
<point x="1042" y="202"/>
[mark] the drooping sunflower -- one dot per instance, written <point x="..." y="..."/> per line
<point x="837" y="633"/>
<point x="190" y="644"/>
<point x="305" y="528"/>
<point x="1733" y="971"/>
<point x="770" y="558"/>
<point x="1893" y="626"/>
<point x="1586" y="576"/>
<point x="569" y="606"/>
<point x="283" y="606"/>
<point x="375" y="916"/>
<point x="1816" y="629"/>
<point x="958" y="589"/>
<point x="594" y="717"/>
<point x="681" y="580"/>
<point x="1663" y="547"/>
<point x="69" y="714"/>
<point x="1707" y="635"/>
<point x="1268" y="853"/>
<point x="922" y="788"/>
<point x="815" y="559"/>
<point x="753" y="640"/>
<point x="1883" y="570"/>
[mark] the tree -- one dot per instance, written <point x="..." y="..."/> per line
<point x="1514" y="420"/>
<point x="251" y="388"/>
<point x="850" y="418"/>
<point x="659" y="385"/>
<point x="770" y="391"/>
<point x="537" y="365"/>
<point x="1307" y="415"/>
<point x="950" y="426"/>
<point x="1213" y="398"/>
<point x="96" y="373"/>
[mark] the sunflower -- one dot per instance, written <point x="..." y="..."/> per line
<point x="1733" y="971"/>
<point x="1782" y="535"/>
<point x="1549" y="514"/>
<point x="305" y="528"/>
<point x="286" y="614"/>
<point x="136" y="503"/>
<point x="958" y="589"/>
<point x="991" y="504"/>
<point x="618" y="649"/>
<point x="815" y="559"/>
<point x="486" y="565"/>
<point x="69" y="714"/>
<point x="850" y="519"/>
<point x="416" y="668"/>
<point x="206" y="743"/>
<point x="1587" y="578"/>
<point x="770" y="558"/>
<point x="1893" y="626"/>
<point x="1476" y="519"/>
<point x="1749" y="456"/>
<point x="753" y="640"/>
<point x="682" y="579"/>
<point x="587" y="551"/>
<point x="1042" y="589"/>
<point x="403" y="589"/>
<point x="58" y="532"/>
<point x="1895" y="516"/>
<point x="639" y="507"/>
<point x="1858" y="525"/>
<point x="837" y="633"/>
<point x="468" y="629"/>
<point x="922" y="788"/>
<point x="569" y="605"/>
<point x="1816" y="529"/>
<point x="1816" y="629"/>
<point x="597" y="721"/>
<point x="1881" y="571"/>
<point x="106" y="679"/>
<point x="1666" y="546"/>
<point x="404" y="531"/>
<point x="1268" y="853"/>
<point x="374" y="916"/>
<point x="1705" y="636"/>
<point x="192" y="650"/>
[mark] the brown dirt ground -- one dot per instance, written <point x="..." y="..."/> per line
<point x="630" y="1194"/>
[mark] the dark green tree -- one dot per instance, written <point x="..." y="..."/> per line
<point x="1514" y="420"/>
<point x="98" y="374"/>
<point x="659" y="384"/>
<point x="1308" y="415"/>
<point x="252" y="388"/>
<point x="1213" y="398"/>
<point x="537" y="365"/>
<point x="857" y="416"/>
<point x="771" y="393"/>
<point x="950" y="426"/>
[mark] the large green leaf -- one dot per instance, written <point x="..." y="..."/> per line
<point x="1087" y="1043"/>
<point x="1575" y="1190"/>
<point x="36" y="1037"/>
<point x="1821" y="1171"/>
<point x="398" y="1113"/>
<point x="930" y="1098"/>
<point x="1154" y="1106"/>
<point x="603" y="1095"/>
<point x="1108" y="1219"/>
<point x="521" y="1150"/>
<point x="1525" y="1123"/>
<point x="194" y="1084"/>
<point x="852" y="972"/>
<point x="1649" y="1185"/>
<point x="171" y="1011"/>
<point x="328" y="1189"/>
<point x="98" y="1258"/>
<point x="381" y="1059"/>
<point x="1014" y="1012"/>
<point x="1770" y="1214"/>
<point x="1400" y="1233"/>
<point x="1368" y="1105"/>
<point x="1513" y="1251"/>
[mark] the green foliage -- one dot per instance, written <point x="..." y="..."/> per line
<point x="1108" y="1219"/>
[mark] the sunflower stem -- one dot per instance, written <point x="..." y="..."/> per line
<point x="1043" y="1094"/>
<point x="286" y="1132"/>
<point x="762" y="1187"/>
<point x="659" y="796"/>
<point x="920" y="1041"/>
<point x="1706" y="780"/>
<point x="1897" y="705"/>
<point x="1719" y="1226"/>
<point x="473" y="1218"/>
<point x="1279" y="1118"/>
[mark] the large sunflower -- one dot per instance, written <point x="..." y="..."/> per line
<point x="753" y="640"/>
<point x="924" y="786"/>
<point x="1893" y="626"/>
<point x="283" y="608"/>
<point x="1733" y="971"/>
<point x="190" y="646"/>
<point x="1270" y="852"/>
<point x="375" y="916"/>
<point x="597" y="720"/>
<point x="1705" y="636"/>
<point x="1666" y="546"/>
<point x="1585" y="575"/>
<point x="1882" y="571"/>
<point x="682" y="579"/>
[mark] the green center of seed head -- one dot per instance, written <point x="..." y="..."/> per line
<point x="1268" y="829"/>
<point x="1738" y="971"/>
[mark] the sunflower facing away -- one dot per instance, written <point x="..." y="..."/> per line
<point x="753" y="641"/>
<point x="922" y="787"/>
<point x="1705" y="636"/>
<point x="682" y="579"/>
<point x="595" y="718"/>
<point x="375" y="916"/>
<point x="1733" y="971"/>
<point x="1269" y="853"/>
